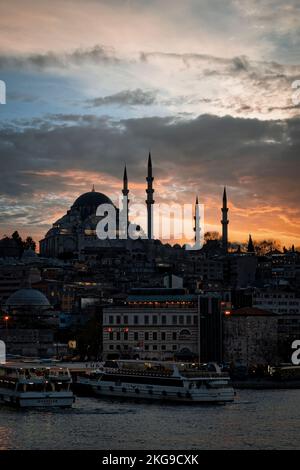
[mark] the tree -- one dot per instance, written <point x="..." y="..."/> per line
<point x="267" y="246"/>
<point x="29" y="243"/>
<point x="16" y="237"/>
<point x="23" y="244"/>
<point x="211" y="236"/>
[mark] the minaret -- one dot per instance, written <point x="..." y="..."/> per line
<point x="150" y="200"/>
<point x="250" y="247"/>
<point x="225" y="222"/>
<point x="197" y="224"/>
<point x="125" y="192"/>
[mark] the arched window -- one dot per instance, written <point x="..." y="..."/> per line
<point x="185" y="333"/>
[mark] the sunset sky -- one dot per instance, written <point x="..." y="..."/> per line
<point x="206" y="85"/>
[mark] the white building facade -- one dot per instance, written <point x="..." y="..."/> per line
<point x="152" y="327"/>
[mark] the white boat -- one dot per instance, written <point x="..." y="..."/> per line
<point x="32" y="386"/>
<point x="168" y="381"/>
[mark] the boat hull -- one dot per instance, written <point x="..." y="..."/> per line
<point x="37" y="400"/>
<point x="176" y="394"/>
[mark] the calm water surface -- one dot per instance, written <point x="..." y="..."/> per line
<point x="257" y="420"/>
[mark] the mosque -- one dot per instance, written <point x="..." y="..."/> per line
<point x="74" y="234"/>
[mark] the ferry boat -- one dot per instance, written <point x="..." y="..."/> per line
<point x="33" y="386"/>
<point x="167" y="381"/>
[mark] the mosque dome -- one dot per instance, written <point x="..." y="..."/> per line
<point x="88" y="202"/>
<point x="27" y="297"/>
<point x="92" y="198"/>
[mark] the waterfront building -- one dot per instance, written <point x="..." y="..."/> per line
<point x="279" y="301"/>
<point x="163" y="324"/>
<point x="28" y="342"/>
<point x="250" y="337"/>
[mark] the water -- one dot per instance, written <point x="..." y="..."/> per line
<point x="256" y="420"/>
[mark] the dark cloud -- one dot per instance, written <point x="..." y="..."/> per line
<point x="208" y="151"/>
<point x="135" y="97"/>
<point x="240" y="63"/>
<point x="97" y="54"/>
<point x="43" y="168"/>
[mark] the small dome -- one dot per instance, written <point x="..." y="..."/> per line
<point x="27" y="297"/>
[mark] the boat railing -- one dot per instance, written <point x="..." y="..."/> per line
<point x="148" y="373"/>
<point x="59" y="377"/>
<point x="199" y="373"/>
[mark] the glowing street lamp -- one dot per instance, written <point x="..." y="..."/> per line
<point x="6" y="318"/>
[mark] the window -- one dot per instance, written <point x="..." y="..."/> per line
<point x="174" y="347"/>
<point x="146" y="336"/>
<point x="163" y="347"/>
<point x="118" y="319"/>
<point x="125" y="319"/>
<point x="118" y="336"/>
<point x="174" y="335"/>
<point x="136" y="336"/>
<point x="163" y="336"/>
<point x="174" y="320"/>
<point x="164" y="320"/>
<point x="181" y="320"/>
<point x="125" y="336"/>
<point x="154" y="336"/>
<point x="188" y="320"/>
<point x="154" y="347"/>
<point x="146" y="347"/>
<point x="111" y="336"/>
<point x="185" y="333"/>
<point x="111" y="319"/>
<point x="154" y="319"/>
<point x="146" y="320"/>
<point x="111" y="346"/>
<point x="195" y="320"/>
<point x="136" y="320"/>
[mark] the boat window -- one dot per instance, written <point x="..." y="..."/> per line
<point x="32" y="387"/>
<point x="49" y="387"/>
<point x="59" y="387"/>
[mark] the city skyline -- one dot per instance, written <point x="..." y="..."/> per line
<point x="214" y="111"/>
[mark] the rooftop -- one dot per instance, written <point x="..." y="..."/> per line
<point x="251" y="312"/>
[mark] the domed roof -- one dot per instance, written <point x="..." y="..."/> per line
<point x="91" y="199"/>
<point x="27" y="297"/>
